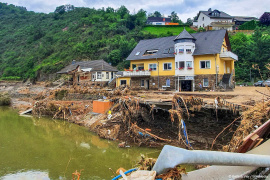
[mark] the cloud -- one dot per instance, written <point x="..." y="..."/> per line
<point x="184" y="8"/>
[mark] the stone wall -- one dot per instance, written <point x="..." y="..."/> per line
<point x="153" y="82"/>
<point x="211" y="80"/>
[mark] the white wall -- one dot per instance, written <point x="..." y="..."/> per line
<point x="103" y="76"/>
<point x="184" y="57"/>
<point x="205" y="22"/>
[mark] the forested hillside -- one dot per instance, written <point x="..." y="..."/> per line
<point x="253" y="53"/>
<point x="33" y="43"/>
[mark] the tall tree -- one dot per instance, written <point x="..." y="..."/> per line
<point x="157" y="14"/>
<point x="174" y="17"/>
<point x="122" y="11"/>
<point x="265" y="19"/>
<point x="189" y="22"/>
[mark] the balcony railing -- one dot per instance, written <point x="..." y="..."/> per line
<point x="219" y="24"/>
<point x="228" y="55"/>
<point x="137" y="73"/>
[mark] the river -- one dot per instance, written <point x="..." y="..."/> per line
<point x="46" y="149"/>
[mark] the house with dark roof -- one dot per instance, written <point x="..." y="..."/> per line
<point x="215" y="20"/>
<point x="181" y="62"/>
<point x="158" y="20"/>
<point x="239" y="20"/>
<point x="87" y="72"/>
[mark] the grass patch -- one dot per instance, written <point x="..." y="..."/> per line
<point x="166" y="30"/>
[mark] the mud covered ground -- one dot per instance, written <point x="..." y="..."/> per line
<point x="202" y="126"/>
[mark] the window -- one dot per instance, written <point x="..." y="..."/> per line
<point x="123" y="82"/>
<point x="137" y="53"/>
<point x="150" y="52"/>
<point x="167" y="66"/>
<point x="176" y="65"/>
<point x="205" y="65"/>
<point x="205" y="82"/>
<point x="189" y="64"/>
<point x="142" y="83"/>
<point x="203" y="18"/>
<point x="107" y="75"/>
<point x="188" y="51"/>
<point x="98" y="75"/>
<point x="181" y="51"/>
<point x="168" y="82"/>
<point x="181" y="64"/>
<point x="152" y="67"/>
<point x="94" y="76"/>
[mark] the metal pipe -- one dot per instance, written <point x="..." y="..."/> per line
<point x="171" y="156"/>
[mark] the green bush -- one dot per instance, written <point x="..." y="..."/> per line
<point x="5" y="99"/>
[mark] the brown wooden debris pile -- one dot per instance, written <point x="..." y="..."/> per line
<point x="172" y="174"/>
<point x="68" y="110"/>
<point x="178" y="113"/>
<point x="252" y="118"/>
<point x="146" y="163"/>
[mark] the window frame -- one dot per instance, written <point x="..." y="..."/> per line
<point x="142" y="83"/>
<point x="152" y="68"/>
<point x="99" y="73"/>
<point x="167" y="66"/>
<point x="204" y="82"/>
<point x="107" y="75"/>
<point x="188" y="52"/>
<point x="190" y="63"/>
<point x="182" y="62"/>
<point x="123" y="80"/>
<point x="205" y="64"/>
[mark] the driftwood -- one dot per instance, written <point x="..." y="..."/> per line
<point x="152" y="135"/>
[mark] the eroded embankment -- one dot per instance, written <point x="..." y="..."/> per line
<point x="135" y="121"/>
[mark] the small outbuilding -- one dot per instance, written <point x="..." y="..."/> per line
<point x="90" y="72"/>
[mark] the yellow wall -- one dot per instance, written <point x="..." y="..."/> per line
<point x="159" y="70"/>
<point x="224" y="45"/>
<point x="122" y="78"/>
<point x="219" y="62"/>
<point x="197" y="59"/>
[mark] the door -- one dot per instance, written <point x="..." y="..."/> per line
<point x="147" y="84"/>
<point x="186" y="85"/>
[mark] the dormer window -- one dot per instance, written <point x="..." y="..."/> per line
<point x="150" y="52"/>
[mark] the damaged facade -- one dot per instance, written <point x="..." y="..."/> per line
<point x="89" y="72"/>
<point x="181" y="62"/>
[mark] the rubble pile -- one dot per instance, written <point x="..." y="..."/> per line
<point x="251" y="119"/>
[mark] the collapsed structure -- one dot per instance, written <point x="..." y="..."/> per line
<point x="88" y="72"/>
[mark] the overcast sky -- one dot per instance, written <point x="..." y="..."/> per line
<point x="183" y="8"/>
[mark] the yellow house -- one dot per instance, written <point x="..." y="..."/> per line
<point x="182" y="62"/>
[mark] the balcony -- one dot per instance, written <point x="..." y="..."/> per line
<point x="222" y="24"/>
<point x="136" y="73"/>
<point x="228" y="55"/>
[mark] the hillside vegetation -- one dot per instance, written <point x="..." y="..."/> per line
<point x="166" y="30"/>
<point x="36" y="43"/>
<point x="33" y="45"/>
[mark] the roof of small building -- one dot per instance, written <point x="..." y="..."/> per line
<point x="158" y="19"/>
<point x="95" y="65"/>
<point x="184" y="35"/>
<point x="221" y="14"/>
<point x="244" y="18"/>
<point x="208" y="42"/>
